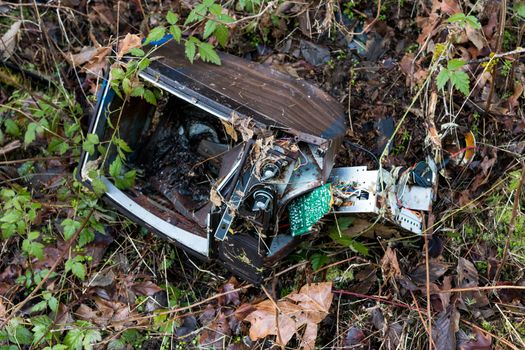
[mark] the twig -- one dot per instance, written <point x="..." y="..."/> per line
<point x="278" y="311"/>
<point x="427" y="290"/>
<point x="512" y="225"/>
<point x="499" y="55"/>
<point x="499" y="42"/>
<point x="373" y="297"/>
<point x="476" y="289"/>
<point x="11" y="146"/>
<point x="51" y="270"/>
<point x="34" y="159"/>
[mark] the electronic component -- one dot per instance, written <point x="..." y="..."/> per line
<point x="357" y="187"/>
<point x="410" y="220"/>
<point x="308" y="209"/>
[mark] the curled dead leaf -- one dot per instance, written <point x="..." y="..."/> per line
<point x="287" y="316"/>
<point x="9" y="40"/>
<point x="130" y="41"/>
<point x="445" y="328"/>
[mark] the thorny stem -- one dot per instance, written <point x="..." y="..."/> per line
<point x="512" y="225"/>
<point x="59" y="259"/>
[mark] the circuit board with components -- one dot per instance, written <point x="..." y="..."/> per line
<point x="307" y="210"/>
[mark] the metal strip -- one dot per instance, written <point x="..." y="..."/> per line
<point x="188" y="239"/>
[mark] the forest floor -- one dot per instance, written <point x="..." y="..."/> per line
<point x="75" y="274"/>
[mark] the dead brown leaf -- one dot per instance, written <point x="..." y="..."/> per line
<point x="230" y="130"/>
<point x="389" y="263"/>
<point x="450" y="7"/>
<point x="130" y="41"/>
<point x="518" y="91"/>
<point x="476" y="37"/>
<point x="437" y="270"/>
<point x="445" y="328"/>
<point x="288" y="315"/>
<point x="468" y="278"/>
<point x="230" y="298"/>
<point x="9" y="40"/>
<point x="391" y="330"/>
<point x="481" y="341"/>
<point x="97" y="64"/>
<point x="85" y="55"/>
<point x="415" y="75"/>
<point x="145" y="288"/>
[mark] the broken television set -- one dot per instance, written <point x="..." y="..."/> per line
<point x="235" y="162"/>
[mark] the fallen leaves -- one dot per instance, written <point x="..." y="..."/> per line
<point x="285" y="317"/>
<point x="92" y="59"/>
<point x="445" y="328"/>
<point x="9" y="40"/>
<point x="130" y="41"/>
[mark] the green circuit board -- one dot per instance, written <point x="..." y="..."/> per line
<point x="307" y="210"/>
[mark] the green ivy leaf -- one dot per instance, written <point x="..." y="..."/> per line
<point x="126" y="86"/>
<point x="40" y="306"/>
<point x="519" y="9"/>
<point x="190" y="50"/>
<point x="33" y="248"/>
<point x="149" y="96"/>
<point x="222" y="35"/>
<point x="30" y="134"/>
<point x="473" y="22"/>
<point x="73" y="339"/>
<point x="144" y="63"/>
<point x="318" y="260"/>
<point x="90" y="142"/>
<point x="209" y="28"/>
<point x="11" y="127"/>
<point x="442" y="78"/>
<point x="172" y="18"/>
<point x="155" y="34"/>
<point x="115" y="167"/>
<point x="137" y="52"/>
<point x="86" y="236"/>
<point x="138" y="91"/>
<point x="70" y="227"/>
<point x="98" y="186"/>
<point x="208" y="54"/>
<point x="76" y="267"/>
<point x="457" y="17"/>
<point x="91" y="336"/>
<point x="460" y="80"/>
<point x="455" y="64"/>
<point x="117" y="73"/>
<point x="176" y="32"/>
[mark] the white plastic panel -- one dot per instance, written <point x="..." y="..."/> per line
<point x="188" y="239"/>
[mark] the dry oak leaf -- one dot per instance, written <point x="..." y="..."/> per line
<point x="8" y="40"/>
<point x="130" y="41"/>
<point x="307" y="307"/>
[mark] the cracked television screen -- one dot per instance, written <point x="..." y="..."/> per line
<point x="235" y="162"/>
